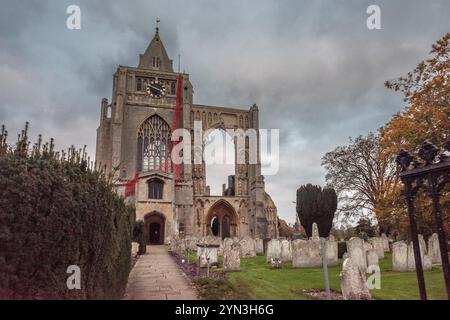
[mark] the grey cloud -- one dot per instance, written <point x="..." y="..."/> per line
<point x="314" y="69"/>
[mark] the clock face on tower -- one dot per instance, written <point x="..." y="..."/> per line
<point x="156" y="89"/>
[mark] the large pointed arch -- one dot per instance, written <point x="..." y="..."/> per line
<point x="222" y="220"/>
<point x="153" y="139"/>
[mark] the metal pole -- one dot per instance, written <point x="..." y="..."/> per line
<point x="415" y="240"/>
<point x="325" y="267"/>
<point x="440" y="231"/>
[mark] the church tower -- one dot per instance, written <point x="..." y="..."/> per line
<point x="134" y="137"/>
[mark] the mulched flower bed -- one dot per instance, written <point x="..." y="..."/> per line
<point x="190" y="268"/>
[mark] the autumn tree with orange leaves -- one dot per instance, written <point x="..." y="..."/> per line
<point x="364" y="171"/>
<point x="427" y="117"/>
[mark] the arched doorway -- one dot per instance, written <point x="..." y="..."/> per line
<point x="154" y="228"/>
<point x="221" y="220"/>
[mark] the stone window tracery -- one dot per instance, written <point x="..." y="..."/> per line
<point x="153" y="145"/>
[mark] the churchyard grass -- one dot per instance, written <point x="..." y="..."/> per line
<point x="258" y="281"/>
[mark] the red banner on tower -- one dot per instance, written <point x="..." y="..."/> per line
<point x="177" y="168"/>
<point x="130" y="186"/>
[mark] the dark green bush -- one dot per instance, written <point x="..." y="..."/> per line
<point x="56" y="211"/>
<point x="139" y="236"/>
<point x="342" y="248"/>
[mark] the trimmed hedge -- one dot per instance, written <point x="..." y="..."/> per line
<point x="56" y="211"/>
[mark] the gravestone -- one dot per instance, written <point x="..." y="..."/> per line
<point x="427" y="264"/>
<point x="207" y="253"/>
<point x="434" y="250"/>
<point x="315" y="232"/>
<point x="259" y="246"/>
<point x="227" y="242"/>
<point x="423" y="245"/>
<point x="231" y="257"/>
<point x="332" y="252"/>
<point x="400" y="256"/>
<point x="286" y="253"/>
<point x="357" y="252"/>
<point x="273" y="250"/>
<point x="265" y="244"/>
<point x="385" y="240"/>
<point x="248" y="249"/>
<point x="411" y="259"/>
<point x="306" y="254"/>
<point x="367" y="246"/>
<point x="372" y="258"/>
<point x="353" y="282"/>
<point x="377" y="244"/>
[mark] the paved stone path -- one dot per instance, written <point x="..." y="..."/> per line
<point x="156" y="276"/>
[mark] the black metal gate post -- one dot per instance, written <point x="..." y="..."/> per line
<point x="415" y="239"/>
<point x="435" y="171"/>
<point x="434" y="191"/>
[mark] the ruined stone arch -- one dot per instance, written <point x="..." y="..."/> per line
<point x="227" y="218"/>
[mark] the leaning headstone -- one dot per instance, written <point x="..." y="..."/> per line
<point x="353" y="282"/>
<point x="332" y="252"/>
<point x="385" y="240"/>
<point x="286" y="253"/>
<point x="273" y="250"/>
<point x="434" y="250"/>
<point x="306" y="254"/>
<point x="377" y="244"/>
<point x="315" y="232"/>
<point x="259" y="246"/>
<point x="248" y="249"/>
<point x="400" y="256"/>
<point x="372" y="258"/>
<point x="232" y="258"/>
<point x="356" y="251"/>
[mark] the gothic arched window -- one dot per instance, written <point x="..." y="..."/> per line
<point x="155" y="189"/>
<point x="153" y="145"/>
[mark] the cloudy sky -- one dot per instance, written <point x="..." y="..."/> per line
<point x="314" y="69"/>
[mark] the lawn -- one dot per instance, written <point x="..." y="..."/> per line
<point x="257" y="281"/>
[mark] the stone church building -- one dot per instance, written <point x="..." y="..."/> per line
<point x="134" y="136"/>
